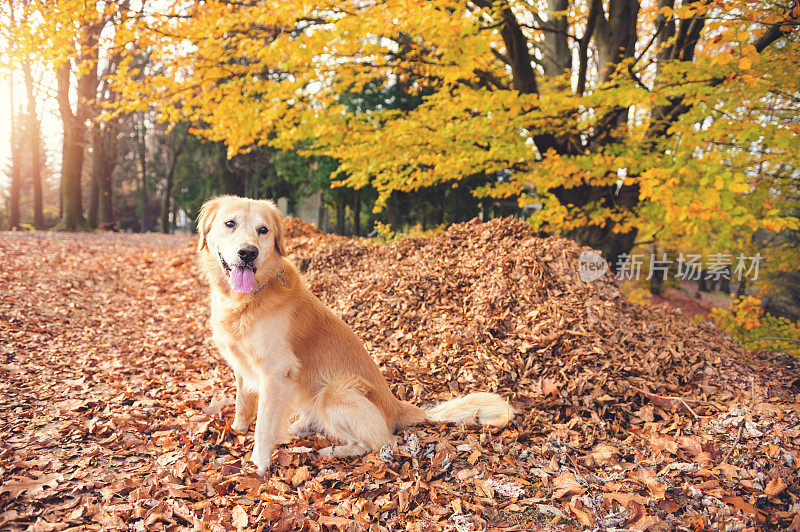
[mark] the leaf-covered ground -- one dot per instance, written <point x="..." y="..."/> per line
<point x="115" y="409"/>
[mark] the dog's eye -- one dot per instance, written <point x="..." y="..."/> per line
<point x="263" y="230"/>
<point x="230" y="223"/>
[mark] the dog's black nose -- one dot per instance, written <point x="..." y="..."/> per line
<point x="248" y="253"/>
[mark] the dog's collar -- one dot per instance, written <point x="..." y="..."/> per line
<point x="278" y="276"/>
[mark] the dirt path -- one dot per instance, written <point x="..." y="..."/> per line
<point x="115" y="410"/>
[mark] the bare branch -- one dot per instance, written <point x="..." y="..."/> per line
<point x="583" y="44"/>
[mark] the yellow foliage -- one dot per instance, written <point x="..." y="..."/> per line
<point x="275" y="72"/>
<point x="746" y="321"/>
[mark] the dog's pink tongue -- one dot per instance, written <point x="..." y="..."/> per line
<point x="243" y="279"/>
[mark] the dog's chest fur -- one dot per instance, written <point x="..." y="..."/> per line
<point x="256" y="348"/>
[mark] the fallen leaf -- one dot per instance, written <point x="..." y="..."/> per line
<point x="239" y="517"/>
<point x="668" y="506"/>
<point x="217" y="404"/>
<point x="635" y="512"/>
<point x="775" y="487"/>
<point x="565" y="485"/>
<point x="577" y="509"/>
<point x="657" y="489"/>
<point x="645" y="522"/>
<point x="30" y="486"/>
<point x="625" y="498"/>
<point x="549" y="387"/>
<point x="730" y="471"/>
<point x="690" y="445"/>
<point x="740" y="504"/>
<point x="604" y="454"/>
<point x="332" y="520"/>
<point x="302" y="474"/>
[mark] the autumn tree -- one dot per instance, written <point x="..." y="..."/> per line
<point x="33" y="147"/>
<point x="174" y="144"/>
<point x="105" y="151"/>
<point x="16" y="147"/>
<point x="82" y="60"/>
<point x="105" y="147"/>
<point x="70" y="37"/>
<point x="612" y="116"/>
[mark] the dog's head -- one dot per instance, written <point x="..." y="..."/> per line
<point x="244" y="236"/>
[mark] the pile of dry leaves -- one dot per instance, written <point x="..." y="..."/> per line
<point x="115" y="409"/>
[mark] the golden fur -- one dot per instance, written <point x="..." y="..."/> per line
<point x="288" y="351"/>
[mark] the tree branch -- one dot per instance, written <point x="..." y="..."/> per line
<point x="62" y="95"/>
<point x="774" y="33"/>
<point x="583" y="45"/>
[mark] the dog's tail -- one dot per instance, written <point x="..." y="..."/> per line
<point x="476" y="408"/>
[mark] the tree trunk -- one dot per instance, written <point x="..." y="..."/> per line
<point x="106" y="153"/>
<point x="16" y="181"/>
<point x="93" y="188"/>
<point x="228" y="182"/>
<point x="322" y="213"/>
<point x="615" y="35"/>
<point x="675" y="42"/>
<point x="165" y="209"/>
<point x="75" y="133"/>
<point x="725" y="281"/>
<point x="340" y="212"/>
<point x="34" y="149"/>
<point x="71" y="168"/>
<point x="615" y="38"/>
<point x="104" y="161"/>
<point x="613" y="246"/>
<point x="556" y="55"/>
<point x="170" y="177"/>
<point x="174" y="216"/>
<point x="357" y="213"/>
<point x="657" y="278"/>
<point x="104" y="149"/>
<point x="702" y="283"/>
<point x="71" y="157"/>
<point x="741" y="290"/>
<point x="393" y="208"/>
<point x="16" y="184"/>
<point x="711" y="284"/>
<point x="142" y="185"/>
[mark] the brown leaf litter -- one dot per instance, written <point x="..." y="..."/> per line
<point x="116" y="410"/>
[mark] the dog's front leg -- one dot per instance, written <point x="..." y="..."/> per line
<point x="275" y="393"/>
<point x="245" y="405"/>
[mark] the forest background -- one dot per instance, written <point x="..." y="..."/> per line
<point x="663" y="128"/>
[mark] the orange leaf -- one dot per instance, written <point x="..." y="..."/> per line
<point x="775" y="487"/>
<point x="565" y="485"/>
<point x="657" y="489"/>
<point x="301" y="475"/>
<point x="576" y="508"/>
<point x="604" y="454"/>
<point x="549" y="387"/>
<point x="740" y="504"/>
<point x="625" y="498"/>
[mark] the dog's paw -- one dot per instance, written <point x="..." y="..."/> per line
<point x="240" y="425"/>
<point x="262" y="468"/>
<point x="327" y="451"/>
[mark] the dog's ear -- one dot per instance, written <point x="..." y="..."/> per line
<point x="277" y="221"/>
<point x="207" y="213"/>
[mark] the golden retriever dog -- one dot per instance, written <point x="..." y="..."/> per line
<point x="291" y="354"/>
